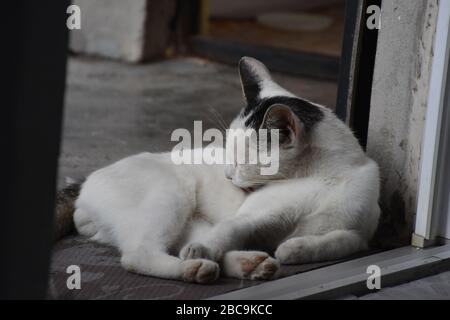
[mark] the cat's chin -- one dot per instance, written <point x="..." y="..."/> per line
<point x="248" y="189"/>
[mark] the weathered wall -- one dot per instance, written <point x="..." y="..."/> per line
<point x="129" y="30"/>
<point x="399" y="97"/>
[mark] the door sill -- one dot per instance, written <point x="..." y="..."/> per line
<point x="397" y="266"/>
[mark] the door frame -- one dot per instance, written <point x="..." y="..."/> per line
<point x="433" y="214"/>
<point x="34" y="72"/>
<point x="357" y="67"/>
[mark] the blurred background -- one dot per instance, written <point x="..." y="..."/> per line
<point x="139" y="69"/>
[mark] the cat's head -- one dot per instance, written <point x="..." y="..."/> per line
<point x="269" y="106"/>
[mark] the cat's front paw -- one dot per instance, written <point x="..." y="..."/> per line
<point x="200" y="271"/>
<point x="197" y="251"/>
<point x="255" y="265"/>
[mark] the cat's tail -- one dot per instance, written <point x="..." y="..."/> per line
<point x="64" y="209"/>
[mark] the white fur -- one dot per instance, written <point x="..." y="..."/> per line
<point x="188" y="221"/>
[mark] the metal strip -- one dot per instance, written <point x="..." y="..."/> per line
<point x="397" y="266"/>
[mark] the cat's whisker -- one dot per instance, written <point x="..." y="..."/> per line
<point x="218" y="124"/>
<point x="219" y="118"/>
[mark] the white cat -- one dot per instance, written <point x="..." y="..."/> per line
<point x="190" y="222"/>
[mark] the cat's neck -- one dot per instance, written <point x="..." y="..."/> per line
<point x="332" y="148"/>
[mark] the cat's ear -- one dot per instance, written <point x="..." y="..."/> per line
<point x="253" y="74"/>
<point x="281" y="117"/>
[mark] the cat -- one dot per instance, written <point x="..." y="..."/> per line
<point x="195" y="222"/>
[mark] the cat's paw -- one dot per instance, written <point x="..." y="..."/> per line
<point x="259" y="267"/>
<point x="200" y="271"/>
<point x="295" y="251"/>
<point x="196" y="251"/>
<point x="253" y="265"/>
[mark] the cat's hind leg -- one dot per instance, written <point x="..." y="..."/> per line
<point x="151" y="234"/>
<point x="253" y="265"/>
<point x="162" y="265"/>
<point x="84" y="223"/>
<point x="333" y="245"/>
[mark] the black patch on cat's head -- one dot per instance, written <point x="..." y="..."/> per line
<point x="254" y="74"/>
<point x="308" y="113"/>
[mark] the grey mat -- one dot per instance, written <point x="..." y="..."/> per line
<point x="102" y="277"/>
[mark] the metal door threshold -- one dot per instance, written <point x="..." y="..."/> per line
<point x="397" y="266"/>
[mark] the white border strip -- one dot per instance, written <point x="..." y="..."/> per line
<point x="431" y="141"/>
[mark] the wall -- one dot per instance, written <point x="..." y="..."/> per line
<point x="129" y="30"/>
<point x="398" y="106"/>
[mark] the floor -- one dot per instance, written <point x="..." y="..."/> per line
<point x="102" y="276"/>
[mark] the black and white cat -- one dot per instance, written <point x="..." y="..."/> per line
<point x="191" y="222"/>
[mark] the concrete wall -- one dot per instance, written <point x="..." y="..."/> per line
<point x="129" y="30"/>
<point x="399" y="97"/>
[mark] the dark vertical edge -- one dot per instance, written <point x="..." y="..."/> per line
<point x="194" y="13"/>
<point x="33" y="77"/>
<point x="345" y="67"/>
<point x="364" y="79"/>
<point x="357" y="69"/>
<point x="184" y="24"/>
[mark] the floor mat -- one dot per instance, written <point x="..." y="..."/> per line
<point x="102" y="277"/>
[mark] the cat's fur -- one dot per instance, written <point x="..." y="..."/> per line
<point x="190" y="222"/>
